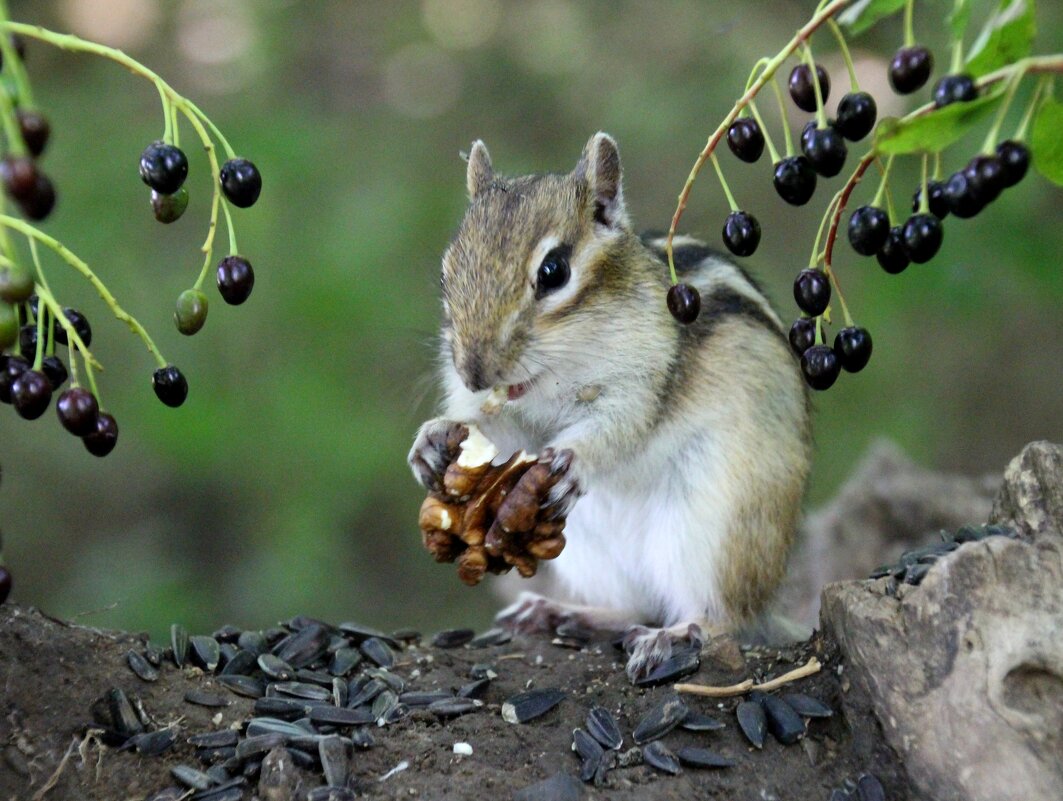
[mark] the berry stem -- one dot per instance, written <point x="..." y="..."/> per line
<point x="764" y="130"/>
<point x="234" y="250"/>
<point x="937" y="166"/>
<point x="13" y="63"/>
<point x="756" y="68"/>
<point x="841" y="299"/>
<point x="956" y="63"/>
<point x="924" y="194"/>
<point x="816" y="255"/>
<point x="840" y="37"/>
<point x="821" y="115"/>
<point x="45" y="297"/>
<point x="819" y="329"/>
<point x="15" y="143"/>
<point x="782" y="113"/>
<point x="167" y="114"/>
<point x="883" y="183"/>
<point x="846" y="191"/>
<point x="1035" y="101"/>
<point x="221" y="138"/>
<point x="42" y="316"/>
<point x="72" y="259"/>
<point x="909" y="28"/>
<point x="824" y="12"/>
<point x="208" y="145"/>
<point x="715" y="163"/>
<point x="991" y="137"/>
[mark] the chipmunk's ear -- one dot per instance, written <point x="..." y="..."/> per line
<point x="479" y="173"/>
<point x="600" y="168"/>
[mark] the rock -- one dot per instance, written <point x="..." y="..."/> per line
<point x="890" y="504"/>
<point x="965" y="671"/>
<point x="1031" y="499"/>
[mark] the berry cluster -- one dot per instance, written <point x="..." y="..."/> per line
<point x="23" y="180"/>
<point x="873" y="229"/>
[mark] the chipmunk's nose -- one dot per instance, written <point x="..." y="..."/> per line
<point x="472" y="372"/>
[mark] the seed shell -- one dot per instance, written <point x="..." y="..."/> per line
<point x="491" y="637"/>
<point x="214" y="739"/>
<point x="139" y="665"/>
<point x="698" y="721"/>
<point x="702" y="758"/>
<point x="603" y="727"/>
<point x="204" y="698"/>
<point x="530" y="705"/>
<point x="190" y="777"/>
<point x="869" y="788"/>
<point x="152" y="743"/>
<point x="452" y="707"/>
<point x="242" y="663"/>
<point x="304" y="647"/>
<point x="179" y="643"/>
<point x="376" y="650"/>
<point x="806" y="706"/>
<point x="664" y="716"/>
<point x="275" y="668"/>
<point x="752" y="722"/>
<point x="344" y="660"/>
<point x="452" y="638"/>
<point x="259" y="744"/>
<point x="301" y="689"/>
<point x="205" y="651"/>
<point x="246" y="686"/>
<point x="658" y="755"/>
<point x="784" y="723"/>
<point x="335" y="754"/>
<point x="672" y="669"/>
<point x="559" y="787"/>
<point x="474" y="689"/>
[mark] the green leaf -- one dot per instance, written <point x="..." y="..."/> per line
<point x="863" y="14"/>
<point x="1046" y="141"/>
<point x="933" y="132"/>
<point x="1006" y="37"/>
<point x="959" y="17"/>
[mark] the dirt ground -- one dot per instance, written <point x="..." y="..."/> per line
<point x="52" y="672"/>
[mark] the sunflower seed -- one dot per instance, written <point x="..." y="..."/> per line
<point x="169" y="794"/>
<point x="530" y="705"/>
<point x="339" y="716"/>
<point x="300" y="689"/>
<point x="406" y="635"/>
<point x="383" y="704"/>
<point x="362" y="738"/>
<point x="474" y="689"/>
<point x="365" y="693"/>
<point x="702" y="758"/>
<point x="278" y="707"/>
<point x="664" y="716"/>
<point x="190" y="777"/>
<point x="211" y="756"/>
<point x="204" y="698"/>
<point x="394" y="681"/>
<point x="302" y="759"/>
<point x="218" y="774"/>
<point x="253" y="641"/>
<point x="482" y="670"/>
<point x="318" y="677"/>
<point x="696" y="721"/>
<point x="242" y="663"/>
<point x="603" y="727"/>
<point x="153" y="654"/>
<point x="418" y="699"/>
<point x="491" y="637"/>
<point x="331" y="794"/>
<point x="227" y="633"/>
<point x="658" y="755"/>
<point x="784" y="723"/>
<point x="378" y="651"/>
<point x="334" y="752"/>
<point x="139" y="665"/>
<point x="123" y="717"/>
<point x="233" y="790"/>
<point x="152" y="743"/>
<point x="670" y="670"/>
<point x="305" y="646"/>
<point x="259" y="744"/>
<point x="559" y="787"/>
<point x="452" y="638"/>
<point x="452" y="707"/>
<point x="179" y="643"/>
<point x="395" y="714"/>
<point x="806" y="706"/>
<point x="339" y="691"/>
<point x="275" y="668"/>
<point x="205" y="651"/>
<point x="257" y="726"/>
<point x="916" y="573"/>
<point x="344" y="660"/>
<point x="752" y="722"/>
<point x="358" y="634"/>
<point x="590" y="751"/>
<point x="840" y="795"/>
<point x="242" y="685"/>
<point x="214" y="739"/>
<point x="868" y="788"/>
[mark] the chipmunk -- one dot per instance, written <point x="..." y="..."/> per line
<point x="685" y="449"/>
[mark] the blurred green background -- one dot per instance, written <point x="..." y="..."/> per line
<point x="280" y="487"/>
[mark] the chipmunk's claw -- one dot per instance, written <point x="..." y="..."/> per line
<point x="567" y="490"/>
<point x="648" y="648"/>
<point x="437" y="444"/>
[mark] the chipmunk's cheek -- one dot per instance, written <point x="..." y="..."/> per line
<point x="517" y="391"/>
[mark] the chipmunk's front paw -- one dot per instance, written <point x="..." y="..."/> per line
<point x="436" y="445"/>
<point x="648" y="648"/>
<point x="568" y="488"/>
<point x="531" y="613"/>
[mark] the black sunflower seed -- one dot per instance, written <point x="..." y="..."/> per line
<point x="190" y="777"/>
<point x="868" y="788"/>
<point x="253" y="641"/>
<point x="246" y="686"/>
<point x="491" y="637"/>
<point x="364" y="694"/>
<point x="301" y="689"/>
<point x="139" y="665"/>
<point x="358" y="634"/>
<point x="806" y="706"/>
<point x="279" y="707"/>
<point x="214" y="739"/>
<point x="474" y="689"/>
<point x="702" y="758"/>
<point x="664" y="716"/>
<point x="335" y="754"/>
<point x="698" y="721"/>
<point x="752" y="722"/>
<point x="205" y="651"/>
<point x="257" y="726"/>
<point x="179" y="643"/>
<point x="152" y="743"/>
<point x="204" y="698"/>
<point x="394" y="681"/>
<point x="590" y="751"/>
<point x="376" y="650"/>
<point x="602" y="726"/>
<point x="259" y="744"/>
<point x="530" y="705"/>
<point x="275" y="668"/>
<point x="672" y="669"/>
<point x="123" y="717"/>
<point x="452" y="707"/>
<point x="304" y="647"/>
<point x="452" y="638"/>
<point x="383" y="704"/>
<point x="303" y="759"/>
<point x="339" y="716"/>
<point x="344" y="660"/>
<point x="153" y="654"/>
<point x="658" y="755"/>
<point x="419" y="699"/>
<point x="242" y="663"/>
<point x="784" y="723"/>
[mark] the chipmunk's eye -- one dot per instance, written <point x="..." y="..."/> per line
<point x="553" y="272"/>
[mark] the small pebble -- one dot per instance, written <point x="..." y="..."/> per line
<point x="463" y="749"/>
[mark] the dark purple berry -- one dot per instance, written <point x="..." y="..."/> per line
<point x="684" y="302"/>
<point x="241" y="182"/>
<point x="55" y="370"/>
<point x="852" y="346"/>
<point x="910" y="68"/>
<point x="986" y="175"/>
<point x="236" y="279"/>
<point x="16" y="284"/>
<point x="801" y="89"/>
<point x="892" y="256"/>
<point x="5" y="583"/>
<point x="819" y="364"/>
<point x="939" y="201"/>
<point x="102" y="440"/>
<point x="191" y="311"/>
<point x="922" y="237"/>
<point x="31" y="393"/>
<point x="954" y="89"/>
<point x="963" y="195"/>
<point x="35" y="130"/>
<point x="869" y="227"/>
<point x="825" y="150"/>
<point x="1014" y="161"/>
<point x="11" y="368"/>
<point x="80" y="325"/>
<point x="812" y="292"/>
<point x="741" y="233"/>
<point x="170" y="386"/>
<point x="163" y="167"/>
<point x="27" y="341"/>
<point x="857" y="113"/>
<point x="19" y="176"/>
<point x="795" y="180"/>
<point x="77" y="409"/>
<point x="745" y="139"/>
<point x="169" y="208"/>
<point x="40" y="202"/>
<point x="802" y="334"/>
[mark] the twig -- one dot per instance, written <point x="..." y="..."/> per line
<point x="53" y="780"/>
<point x="808" y="669"/>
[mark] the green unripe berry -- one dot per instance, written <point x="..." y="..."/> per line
<point x="169" y="208"/>
<point x="8" y="326"/>
<point x="191" y="311"/>
<point x="16" y="285"/>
